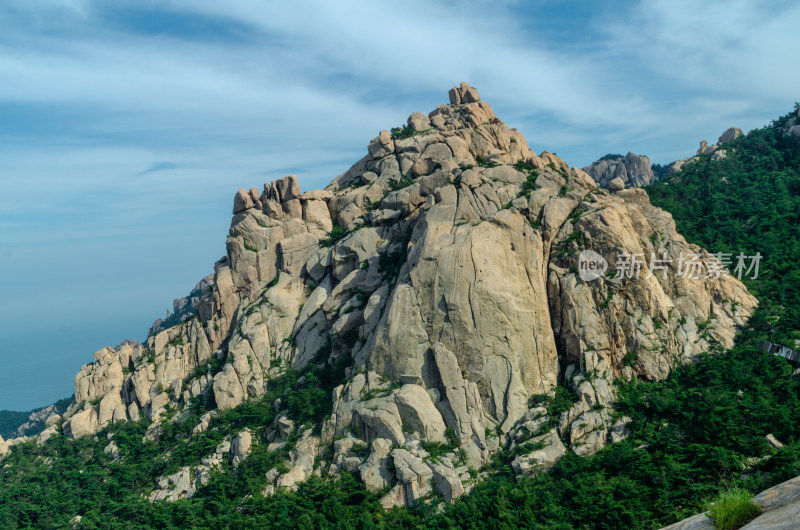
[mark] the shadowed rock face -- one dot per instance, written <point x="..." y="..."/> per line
<point x="455" y="292"/>
<point x="634" y="171"/>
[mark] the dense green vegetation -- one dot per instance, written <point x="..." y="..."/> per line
<point x="694" y="435"/>
<point x="660" y="172"/>
<point x="11" y="420"/>
<point x="748" y="202"/>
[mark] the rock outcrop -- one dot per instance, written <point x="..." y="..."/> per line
<point x="792" y="125"/>
<point x="184" y="308"/>
<point x="442" y="270"/>
<point x="184" y="483"/>
<point x="38" y="420"/>
<point x="715" y="150"/>
<point x="634" y="170"/>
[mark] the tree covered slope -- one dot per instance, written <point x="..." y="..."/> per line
<point x="748" y="202"/>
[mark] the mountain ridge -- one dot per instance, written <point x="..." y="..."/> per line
<point x="432" y="289"/>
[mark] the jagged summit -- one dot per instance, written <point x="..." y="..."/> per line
<point x="469" y="130"/>
<point x="439" y="276"/>
<point x="616" y="171"/>
<point x="632" y="170"/>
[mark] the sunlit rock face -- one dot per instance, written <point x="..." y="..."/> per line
<point x="442" y="267"/>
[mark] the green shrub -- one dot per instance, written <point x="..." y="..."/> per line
<point x="536" y="399"/>
<point x="451" y="436"/>
<point x="532" y="173"/>
<point x="485" y="163"/>
<point x="336" y="233"/>
<point x="629" y="359"/>
<point x="561" y="402"/>
<point x="403" y="182"/>
<point x="390" y="263"/>
<point x="436" y="449"/>
<point x="733" y="508"/>
<point x="403" y="132"/>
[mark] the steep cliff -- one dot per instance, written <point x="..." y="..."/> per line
<point x="440" y="275"/>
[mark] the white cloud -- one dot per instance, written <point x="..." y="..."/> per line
<point x="741" y="48"/>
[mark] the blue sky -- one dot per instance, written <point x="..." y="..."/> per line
<point x="126" y="127"/>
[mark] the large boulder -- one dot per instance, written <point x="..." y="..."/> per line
<point x="632" y="170"/>
<point x="287" y="188"/>
<point x="729" y="135"/>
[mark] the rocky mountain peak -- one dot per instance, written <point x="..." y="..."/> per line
<point x="715" y="150"/>
<point x="729" y="135"/>
<point x="440" y="275"/>
<point x="463" y="94"/>
<point x="633" y="170"/>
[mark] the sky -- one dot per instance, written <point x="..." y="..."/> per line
<point x="126" y="127"/>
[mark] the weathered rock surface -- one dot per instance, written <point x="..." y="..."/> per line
<point x="39" y="419"/>
<point x="633" y="170"/>
<point x="5" y="446"/>
<point x="184" y="308"/>
<point x="451" y="292"/>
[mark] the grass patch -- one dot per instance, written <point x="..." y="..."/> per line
<point x="732" y="508"/>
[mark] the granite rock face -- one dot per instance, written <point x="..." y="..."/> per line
<point x="634" y="170"/>
<point x="442" y="268"/>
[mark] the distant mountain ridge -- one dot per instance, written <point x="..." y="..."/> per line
<point x="633" y="170"/>
<point x="14" y="424"/>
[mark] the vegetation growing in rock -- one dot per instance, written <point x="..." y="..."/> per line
<point x="403" y="132"/>
<point x="336" y="234"/>
<point x="748" y="202"/>
<point x="733" y="508"/>
<point x="688" y="432"/>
